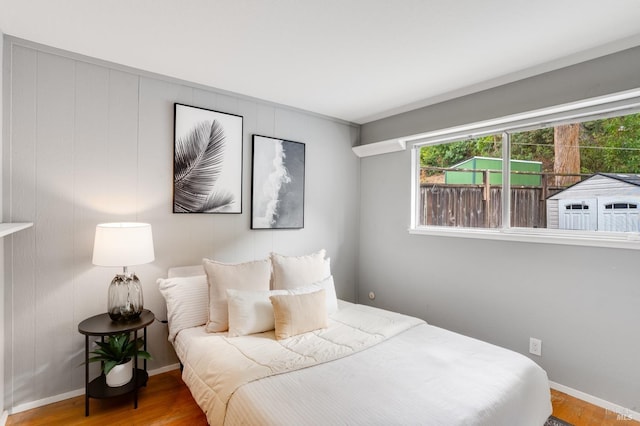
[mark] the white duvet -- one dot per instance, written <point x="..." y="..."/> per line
<point x="369" y="367"/>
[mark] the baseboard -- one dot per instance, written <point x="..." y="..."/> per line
<point x="45" y="401"/>
<point x="622" y="413"/>
<point x="164" y="369"/>
<point x="72" y="394"/>
<point x="3" y="418"/>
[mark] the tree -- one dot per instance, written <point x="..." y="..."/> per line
<point x="567" y="153"/>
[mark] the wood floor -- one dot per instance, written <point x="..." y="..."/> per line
<point x="580" y="413"/>
<point x="167" y="401"/>
<point x="164" y="401"/>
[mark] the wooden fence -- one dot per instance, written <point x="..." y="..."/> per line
<point x="480" y="206"/>
<point x="467" y="206"/>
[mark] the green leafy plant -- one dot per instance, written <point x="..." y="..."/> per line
<point x="118" y="349"/>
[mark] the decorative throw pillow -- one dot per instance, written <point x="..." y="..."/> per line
<point x="187" y="302"/>
<point x="299" y="271"/>
<point x="299" y="313"/>
<point x="330" y="290"/>
<point x="250" y="311"/>
<point x="253" y="276"/>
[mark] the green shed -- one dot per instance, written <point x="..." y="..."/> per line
<point x="487" y="163"/>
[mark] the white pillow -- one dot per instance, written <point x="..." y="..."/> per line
<point x="329" y="288"/>
<point x="250" y="311"/>
<point x="300" y="313"/>
<point x="187" y="302"/>
<point x="253" y="276"/>
<point x="299" y="271"/>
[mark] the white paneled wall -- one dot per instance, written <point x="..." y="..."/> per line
<point x="92" y="142"/>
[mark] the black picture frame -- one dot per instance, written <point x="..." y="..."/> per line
<point x="207" y="161"/>
<point x="277" y="183"/>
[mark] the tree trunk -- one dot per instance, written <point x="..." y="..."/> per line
<point x="567" y="153"/>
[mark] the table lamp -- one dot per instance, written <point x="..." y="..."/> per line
<point x="123" y="244"/>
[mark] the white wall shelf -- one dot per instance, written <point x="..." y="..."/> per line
<point x="377" y="148"/>
<point x="10" y="228"/>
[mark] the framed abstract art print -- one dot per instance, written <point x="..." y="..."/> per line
<point x="277" y="190"/>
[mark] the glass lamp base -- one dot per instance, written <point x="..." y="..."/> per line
<point x="120" y="317"/>
<point x="125" y="298"/>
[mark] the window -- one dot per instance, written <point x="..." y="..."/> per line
<point x="577" y="207"/>
<point x="616" y="206"/>
<point x="459" y="188"/>
<point x="573" y="171"/>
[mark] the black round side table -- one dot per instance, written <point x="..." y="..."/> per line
<point x="102" y="325"/>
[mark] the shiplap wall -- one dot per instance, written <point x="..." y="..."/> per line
<point x="92" y="142"/>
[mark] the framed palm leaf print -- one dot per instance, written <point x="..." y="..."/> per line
<point x="277" y="190"/>
<point x="207" y="161"/>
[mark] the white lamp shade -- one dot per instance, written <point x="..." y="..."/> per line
<point x="123" y="244"/>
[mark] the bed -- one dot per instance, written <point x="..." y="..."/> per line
<point x="363" y="365"/>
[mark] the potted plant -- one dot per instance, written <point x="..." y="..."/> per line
<point x="117" y="354"/>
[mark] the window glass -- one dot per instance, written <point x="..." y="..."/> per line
<point x="581" y="176"/>
<point x="461" y="183"/>
<point x="584" y="162"/>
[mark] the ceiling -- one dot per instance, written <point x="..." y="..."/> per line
<point x="356" y="60"/>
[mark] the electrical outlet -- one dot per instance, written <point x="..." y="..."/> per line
<point x="535" y="346"/>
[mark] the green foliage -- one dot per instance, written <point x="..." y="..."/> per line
<point x="534" y="145"/>
<point x="610" y="145"/>
<point x="446" y="155"/>
<point x="118" y="349"/>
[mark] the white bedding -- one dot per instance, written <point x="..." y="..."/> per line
<point x="406" y="372"/>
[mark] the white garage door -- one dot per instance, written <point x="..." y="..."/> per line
<point x="578" y="214"/>
<point x="619" y="214"/>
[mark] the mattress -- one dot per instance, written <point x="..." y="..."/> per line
<point x="414" y="374"/>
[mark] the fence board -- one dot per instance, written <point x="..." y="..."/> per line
<point x="464" y="206"/>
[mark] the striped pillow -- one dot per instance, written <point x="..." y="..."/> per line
<point x="187" y="302"/>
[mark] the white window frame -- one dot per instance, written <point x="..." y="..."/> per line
<point x="618" y="104"/>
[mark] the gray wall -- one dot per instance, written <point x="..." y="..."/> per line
<point x="608" y="74"/>
<point x="2" y="285"/>
<point x="92" y="142"/>
<point x="581" y="302"/>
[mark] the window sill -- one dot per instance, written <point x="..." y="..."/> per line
<point x="607" y="240"/>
